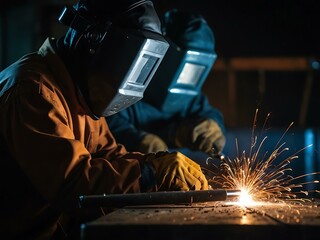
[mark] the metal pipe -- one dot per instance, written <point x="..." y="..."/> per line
<point x="156" y="198"/>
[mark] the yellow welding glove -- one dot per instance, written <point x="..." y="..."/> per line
<point x="175" y="171"/>
<point x="200" y="134"/>
<point x="152" y="143"/>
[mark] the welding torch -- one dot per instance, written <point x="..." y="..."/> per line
<point x="215" y="154"/>
<point x="157" y="198"/>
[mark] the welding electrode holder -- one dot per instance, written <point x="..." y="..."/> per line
<point x="156" y="198"/>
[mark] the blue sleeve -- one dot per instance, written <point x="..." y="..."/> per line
<point x="123" y="127"/>
<point x="201" y="107"/>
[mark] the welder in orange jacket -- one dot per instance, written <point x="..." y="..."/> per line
<point x="55" y="144"/>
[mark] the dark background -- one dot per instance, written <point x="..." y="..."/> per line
<point x="242" y="28"/>
<point x="258" y="27"/>
<point x="247" y="28"/>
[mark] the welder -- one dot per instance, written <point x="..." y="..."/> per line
<point x="175" y="112"/>
<point x="55" y="144"/>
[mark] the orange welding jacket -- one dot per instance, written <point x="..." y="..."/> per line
<point x="51" y="151"/>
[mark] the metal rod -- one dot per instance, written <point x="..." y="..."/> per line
<point x="156" y="198"/>
<point x="233" y="193"/>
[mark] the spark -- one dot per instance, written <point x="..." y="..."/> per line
<point x="262" y="179"/>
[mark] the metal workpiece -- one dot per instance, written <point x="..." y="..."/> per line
<point x="223" y="220"/>
<point x="157" y="198"/>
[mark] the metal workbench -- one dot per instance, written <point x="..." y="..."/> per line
<point x="211" y="220"/>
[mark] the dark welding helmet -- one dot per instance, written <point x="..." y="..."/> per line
<point x="116" y="49"/>
<point x="187" y="63"/>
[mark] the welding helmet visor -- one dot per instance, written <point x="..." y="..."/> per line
<point x="119" y="55"/>
<point x="187" y="63"/>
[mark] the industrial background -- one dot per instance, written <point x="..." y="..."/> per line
<point x="268" y="59"/>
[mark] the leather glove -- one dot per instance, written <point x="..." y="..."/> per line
<point x="152" y="143"/>
<point x="175" y="171"/>
<point x="200" y="134"/>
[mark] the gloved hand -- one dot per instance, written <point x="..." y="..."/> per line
<point x="200" y="134"/>
<point x="152" y="143"/>
<point x="175" y="171"/>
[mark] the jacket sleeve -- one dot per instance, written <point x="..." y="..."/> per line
<point x="64" y="155"/>
<point x="199" y="108"/>
<point x="124" y="125"/>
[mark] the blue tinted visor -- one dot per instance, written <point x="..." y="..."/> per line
<point x="192" y="72"/>
<point x="179" y="78"/>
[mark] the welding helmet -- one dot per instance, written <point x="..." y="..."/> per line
<point x="115" y="51"/>
<point x="186" y="64"/>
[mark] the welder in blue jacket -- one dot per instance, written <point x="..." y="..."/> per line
<point x="174" y="112"/>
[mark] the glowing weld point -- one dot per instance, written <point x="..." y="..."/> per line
<point x="245" y="198"/>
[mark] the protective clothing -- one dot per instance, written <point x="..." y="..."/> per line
<point x="200" y="134"/>
<point x="52" y="151"/>
<point x="152" y="143"/>
<point x="175" y="171"/>
<point x="131" y="42"/>
<point x="161" y="112"/>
